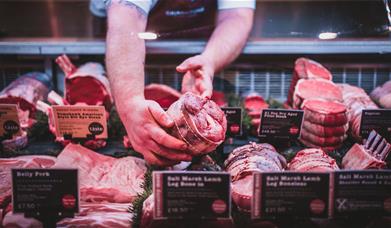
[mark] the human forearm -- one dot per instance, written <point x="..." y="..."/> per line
<point x="125" y="53"/>
<point x="229" y="37"/>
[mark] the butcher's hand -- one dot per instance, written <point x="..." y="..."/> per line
<point x="144" y="122"/>
<point x="198" y="76"/>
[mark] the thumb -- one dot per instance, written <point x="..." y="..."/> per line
<point x="189" y="64"/>
<point x="160" y="116"/>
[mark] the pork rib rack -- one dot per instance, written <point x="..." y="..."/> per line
<point x="199" y="122"/>
<point x="371" y="155"/>
<point x="25" y="92"/>
<point x="243" y="162"/>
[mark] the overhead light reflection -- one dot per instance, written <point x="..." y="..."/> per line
<point x="147" y="35"/>
<point x="327" y="35"/>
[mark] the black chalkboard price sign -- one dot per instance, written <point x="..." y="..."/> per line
<point x="45" y="194"/>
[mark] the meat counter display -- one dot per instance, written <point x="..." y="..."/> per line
<point x="340" y="136"/>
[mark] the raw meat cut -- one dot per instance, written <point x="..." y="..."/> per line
<point x="322" y="112"/>
<point x="198" y="122"/>
<point x="322" y="141"/>
<point x="91" y="215"/>
<point x="100" y="215"/>
<point x="162" y="94"/>
<point x="103" y="178"/>
<point x="306" y="69"/>
<point x="147" y="213"/>
<point x="312" y="160"/>
<point x="311" y="144"/>
<point x="25" y="91"/>
<point x="371" y="155"/>
<point x="19" y="221"/>
<point x="355" y="100"/>
<point x="325" y="124"/>
<point x="382" y="95"/>
<point x="86" y="84"/>
<point x="6" y="164"/>
<point x="254" y="104"/>
<point x="325" y="117"/>
<point x="219" y="98"/>
<point x="243" y="162"/>
<point x="324" y="131"/>
<point x="319" y="89"/>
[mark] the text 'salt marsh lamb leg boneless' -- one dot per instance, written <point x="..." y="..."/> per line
<point x="25" y="92"/>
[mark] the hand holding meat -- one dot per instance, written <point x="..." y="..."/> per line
<point x="144" y="122"/>
<point x="199" y="122"/>
<point x="198" y="76"/>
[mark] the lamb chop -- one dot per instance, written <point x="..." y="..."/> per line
<point x="371" y="155"/>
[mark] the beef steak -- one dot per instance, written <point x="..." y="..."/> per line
<point x="322" y="141"/>
<point x="324" y="131"/>
<point x="326" y="113"/>
<point x="319" y="89"/>
<point x="306" y="69"/>
<point x="86" y="84"/>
